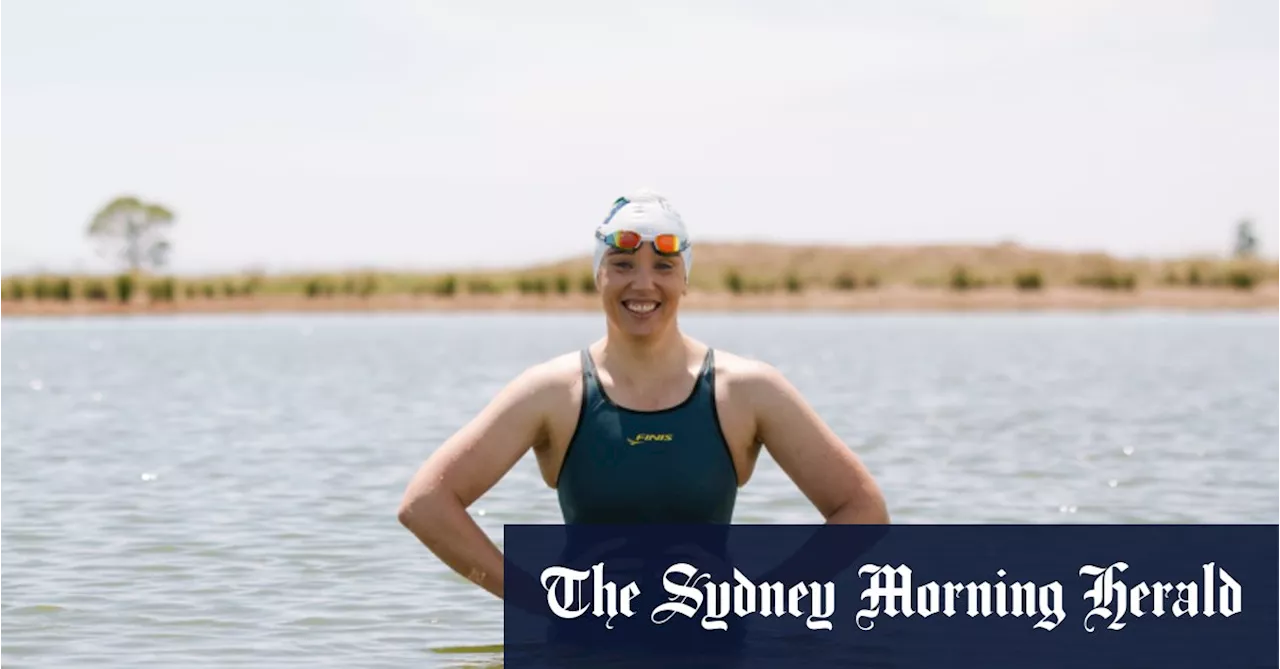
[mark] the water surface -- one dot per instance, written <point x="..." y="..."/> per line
<point x="221" y="490"/>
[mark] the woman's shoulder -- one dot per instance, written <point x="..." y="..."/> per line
<point x="744" y="370"/>
<point x="560" y="371"/>
<point x="539" y="380"/>
<point x="755" y="382"/>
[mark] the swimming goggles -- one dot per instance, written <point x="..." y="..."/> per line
<point x="666" y="244"/>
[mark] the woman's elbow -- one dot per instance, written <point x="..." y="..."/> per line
<point x="418" y="508"/>
<point x="875" y="510"/>
<point x="866" y="509"/>
<point x="880" y="514"/>
<point x="408" y="513"/>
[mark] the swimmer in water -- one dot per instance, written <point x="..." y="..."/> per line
<point x="646" y="425"/>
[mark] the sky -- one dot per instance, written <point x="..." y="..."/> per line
<point x="327" y="135"/>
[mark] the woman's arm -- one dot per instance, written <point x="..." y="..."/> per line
<point x="466" y="466"/>
<point x="829" y="474"/>
<point x="821" y="465"/>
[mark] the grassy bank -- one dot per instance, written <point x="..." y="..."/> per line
<point x="775" y="274"/>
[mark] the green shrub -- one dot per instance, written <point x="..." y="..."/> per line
<point x="961" y="280"/>
<point x="95" y="290"/>
<point x="1029" y="280"/>
<point x="733" y="281"/>
<point x="793" y="283"/>
<point x="60" y="289"/>
<point x="562" y="284"/>
<point x="43" y="289"/>
<point x="1241" y="280"/>
<point x="316" y="287"/>
<point x="845" y="281"/>
<point x="161" y="290"/>
<point x="532" y="285"/>
<point x="124" y="288"/>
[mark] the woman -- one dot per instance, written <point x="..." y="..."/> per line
<point x="646" y="425"/>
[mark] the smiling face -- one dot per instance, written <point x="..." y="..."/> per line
<point x="641" y="290"/>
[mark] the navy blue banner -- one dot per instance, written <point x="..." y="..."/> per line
<point x="904" y="596"/>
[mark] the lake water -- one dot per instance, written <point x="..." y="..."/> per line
<point x="221" y="490"/>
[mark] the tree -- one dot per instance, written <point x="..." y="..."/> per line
<point x="133" y="231"/>
<point x="1246" y="241"/>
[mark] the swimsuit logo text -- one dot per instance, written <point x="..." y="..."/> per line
<point x="645" y="436"/>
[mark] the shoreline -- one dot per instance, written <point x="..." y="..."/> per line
<point x="1264" y="298"/>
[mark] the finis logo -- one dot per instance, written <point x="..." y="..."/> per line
<point x="645" y="436"/>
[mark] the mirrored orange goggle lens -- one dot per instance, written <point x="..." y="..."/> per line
<point x="667" y="243"/>
<point x="626" y="240"/>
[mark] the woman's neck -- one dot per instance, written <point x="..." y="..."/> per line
<point x="639" y="357"/>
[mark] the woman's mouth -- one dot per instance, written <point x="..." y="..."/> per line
<point x="640" y="307"/>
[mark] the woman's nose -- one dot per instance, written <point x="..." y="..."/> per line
<point x="643" y="277"/>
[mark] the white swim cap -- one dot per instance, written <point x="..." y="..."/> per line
<point x="647" y="213"/>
